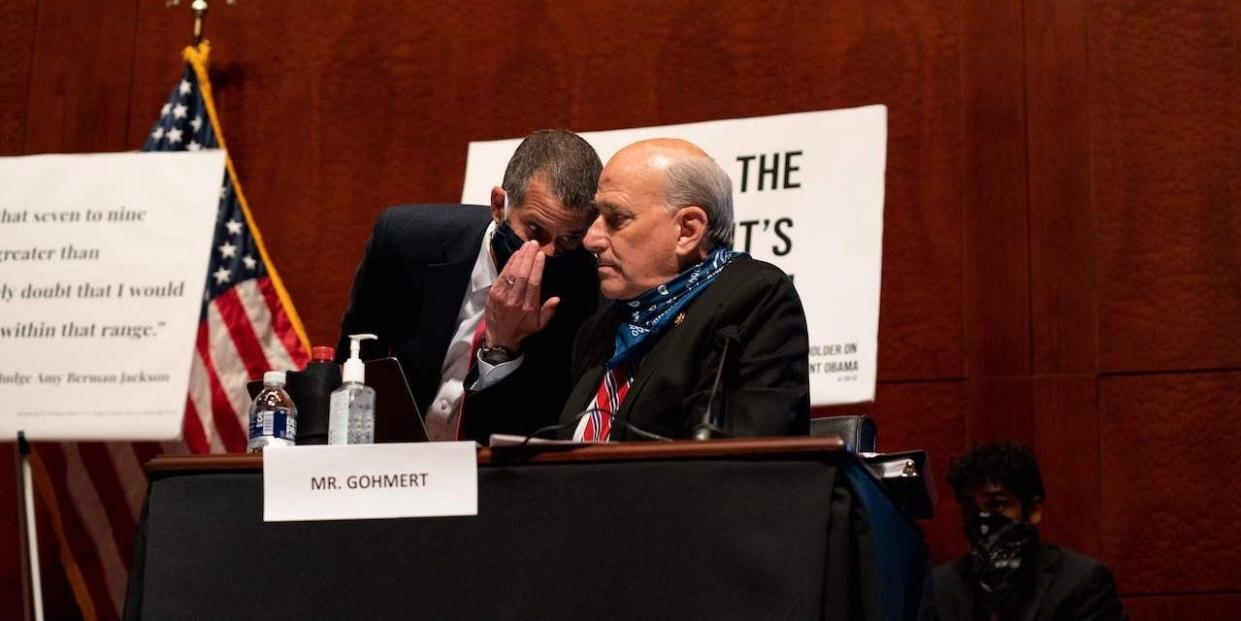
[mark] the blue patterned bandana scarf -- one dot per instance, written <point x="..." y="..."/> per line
<point x="649" y="314"/>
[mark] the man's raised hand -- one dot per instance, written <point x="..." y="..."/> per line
<point x="513" y="311"/>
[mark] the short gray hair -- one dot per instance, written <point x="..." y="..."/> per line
<point x="570" y="163"/>
<point x="700" y="181"/>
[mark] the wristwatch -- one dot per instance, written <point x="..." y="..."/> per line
<point x="496" y="355"/>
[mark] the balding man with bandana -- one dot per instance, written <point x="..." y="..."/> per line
<point x="698" y="339"/>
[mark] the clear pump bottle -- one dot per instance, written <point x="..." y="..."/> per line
<point x="352" y="409"/>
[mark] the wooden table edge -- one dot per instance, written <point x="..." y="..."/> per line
<point x="739" y="448"/>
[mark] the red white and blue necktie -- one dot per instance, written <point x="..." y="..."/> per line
<point x="612" y="391"/>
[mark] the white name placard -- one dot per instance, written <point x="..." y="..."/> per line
<point x="808" y="197"/>
<point x="371" y="481"/>
<point x="103" y="259"/>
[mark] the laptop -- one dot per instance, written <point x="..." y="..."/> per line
<point x="397" y="418"/>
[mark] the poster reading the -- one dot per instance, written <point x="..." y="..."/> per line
<point x="102" y="265"/>
<point x="808" y="197"/>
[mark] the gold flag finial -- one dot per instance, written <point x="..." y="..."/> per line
<point x="200" y="15"/>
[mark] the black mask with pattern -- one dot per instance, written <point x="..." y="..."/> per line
<point x="1001" y="556"/>
<point x="571" y="272"/>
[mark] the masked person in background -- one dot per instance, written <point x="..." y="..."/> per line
<point x="480" y="304"/>
<point x="1009" y="573"/>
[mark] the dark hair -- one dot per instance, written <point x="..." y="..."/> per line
<point x="570" y="163"/>
<point x="1007" y="464"/>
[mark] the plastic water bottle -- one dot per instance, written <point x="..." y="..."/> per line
<point x="273" y="417"/>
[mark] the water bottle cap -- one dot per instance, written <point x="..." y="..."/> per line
<point x="271" y="378"/>
<point x="322" y="353"/>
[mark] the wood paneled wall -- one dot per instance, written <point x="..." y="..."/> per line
<point x="1062" y="246"/>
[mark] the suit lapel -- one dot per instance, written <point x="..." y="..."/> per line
<point x="600" y="341"/>
<point x="1048" y="559"/>
<point x="649" y="365"/>
<point x="583" y="396"/>
<point x="445" y="286"/>
<point x="963" y="598"/>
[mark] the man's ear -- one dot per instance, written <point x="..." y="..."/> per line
<point x="1036" y="511"/>
<point x="691" y="222"/>
<point x="497" y="204"/>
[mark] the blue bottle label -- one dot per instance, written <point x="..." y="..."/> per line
<point x="275" y="422"/>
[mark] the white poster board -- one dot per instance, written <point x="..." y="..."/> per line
<point x="103" y="259"/>
<point x="808" y="197"/>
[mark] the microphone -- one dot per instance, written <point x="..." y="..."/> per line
<point x="706" y="428"/>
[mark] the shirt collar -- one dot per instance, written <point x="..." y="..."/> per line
<point x="484" y="273"/>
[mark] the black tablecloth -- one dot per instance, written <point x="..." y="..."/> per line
<point x="695" y="539"/>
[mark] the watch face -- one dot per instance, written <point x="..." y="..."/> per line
<point x="495" y="355"/>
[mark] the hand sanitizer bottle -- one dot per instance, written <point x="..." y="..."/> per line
<point x="352" y="409"/>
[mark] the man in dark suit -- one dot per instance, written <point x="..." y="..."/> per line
<point x="480" y="304"/>
<point x="1008" y="573"/>
<point x="699" y="340"/>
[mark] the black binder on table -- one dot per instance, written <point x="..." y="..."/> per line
<point x="906" y="475"/>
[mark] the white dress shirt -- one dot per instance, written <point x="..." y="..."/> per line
<point x="441" y="415"/>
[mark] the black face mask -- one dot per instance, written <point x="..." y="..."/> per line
<point x="566" y="273"/>
<point x="504" y="244"/>
<point x="1001" y="556"/>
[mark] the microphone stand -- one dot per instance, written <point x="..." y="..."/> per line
<point x="706" y="428"/>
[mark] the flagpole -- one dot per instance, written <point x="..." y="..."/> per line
<point x="32" y="581"/>
<point x="200" y="15"/>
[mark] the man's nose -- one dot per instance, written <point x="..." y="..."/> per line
<point x="595" y="241"/>
<point x="549" y="248"/>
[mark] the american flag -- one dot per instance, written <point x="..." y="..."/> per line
<point x="94" y="491"/>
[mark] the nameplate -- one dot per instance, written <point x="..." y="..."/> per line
<point x="359" y="482"/>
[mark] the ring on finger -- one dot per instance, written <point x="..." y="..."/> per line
<point x="510" y="281"/>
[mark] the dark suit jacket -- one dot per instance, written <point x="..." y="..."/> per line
<point x="1067" y="586"/>
<point x="765" y="390"/>
<point x="408" y="290"/>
